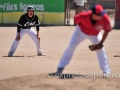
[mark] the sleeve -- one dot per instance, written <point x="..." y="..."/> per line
<point x="18" y="28"/>
<point x="37" y="28"/>
<point x="107" y="25"/>
<point x="37" y="23"/>
<point x="77" y="19"/>
<point x="19" y="24"/>
<point x="20" y="21"/>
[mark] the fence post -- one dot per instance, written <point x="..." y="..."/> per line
<point x="117" y="15"/>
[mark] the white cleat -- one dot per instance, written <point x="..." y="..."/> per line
<point x="41" y="54"/>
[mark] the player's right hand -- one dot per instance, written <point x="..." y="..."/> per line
<point x="18" y="38"/>
<point x="38" y="37"/>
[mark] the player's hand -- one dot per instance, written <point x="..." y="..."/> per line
<point x="18" y="38"/>
<point x="95" y="46"/>
<point x="38" y="37"/>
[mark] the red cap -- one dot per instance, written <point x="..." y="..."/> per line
<point x="98" y="10"/>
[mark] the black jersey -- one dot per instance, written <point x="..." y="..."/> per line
<point x="26" y="22"/>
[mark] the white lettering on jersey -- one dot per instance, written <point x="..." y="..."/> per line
<point x="99" y="27"/>
<point x="29" y="24"/>
<point x="26" y="24"/>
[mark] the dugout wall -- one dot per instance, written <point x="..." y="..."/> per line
<point x="50" y="12"/>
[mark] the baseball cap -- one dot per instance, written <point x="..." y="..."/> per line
<point x="98" y="10"/>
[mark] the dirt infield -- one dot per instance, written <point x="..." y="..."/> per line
<point x="27" y="71"/>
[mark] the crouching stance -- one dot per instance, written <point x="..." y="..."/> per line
<point x="89" y="25"/>
<point x="24" y="25"/>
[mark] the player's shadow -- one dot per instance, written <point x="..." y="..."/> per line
<point x="14" y="56"/>
<point x="67" y="76"/>
<point x="70" y="76"/>
<point x="116" y="55"/>
<point x="19" y="56"/>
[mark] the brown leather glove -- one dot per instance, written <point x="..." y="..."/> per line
<point x="95" y="47"/>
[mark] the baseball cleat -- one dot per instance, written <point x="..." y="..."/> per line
<point x="106" y="75"/>
<point x="62" y="76"/>
<point x="10" y="55"/>
<point x="55" y="74"/>
<point x="41" y="54"/>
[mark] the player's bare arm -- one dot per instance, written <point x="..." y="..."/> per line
<point x="18" y="33"/>
<point x="105" y="34"/>
<point x="38" y="37"/>
<point x="18" y="36"/>
<point x="37" y="29"/>
<point x="85" y="6"/>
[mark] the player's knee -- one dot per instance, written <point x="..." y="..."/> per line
<point x="73" y="45"/>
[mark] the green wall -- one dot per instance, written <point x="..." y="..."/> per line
<point x="50" y="12"/>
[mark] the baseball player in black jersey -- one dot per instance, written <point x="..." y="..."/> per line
<point x="24" y="25"/>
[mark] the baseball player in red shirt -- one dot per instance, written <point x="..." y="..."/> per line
<point x="89" y="25"/>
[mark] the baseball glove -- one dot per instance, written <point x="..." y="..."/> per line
<point x="95" y="47"/>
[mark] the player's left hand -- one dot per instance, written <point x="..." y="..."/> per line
<point x="95" y="46"/>
<point x="38" y="37"/>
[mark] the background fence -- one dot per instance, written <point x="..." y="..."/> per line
<point x="50" y="12"/>
<point x="107" y="4"/>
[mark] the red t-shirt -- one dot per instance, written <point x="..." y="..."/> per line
<point x="84" y="21"/>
